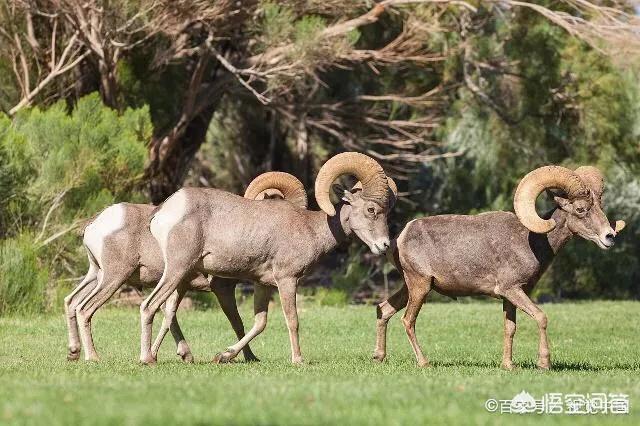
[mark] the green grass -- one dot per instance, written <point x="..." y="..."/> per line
<point x="594" y="349"/>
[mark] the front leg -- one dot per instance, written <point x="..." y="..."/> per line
<point x="509" y="311"/>
<point x="385" y="311"/>
<point x="520" y="299"/>
<point x="287" y="289"/>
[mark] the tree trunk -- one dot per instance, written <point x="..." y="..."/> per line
<point x="171" y="154"/>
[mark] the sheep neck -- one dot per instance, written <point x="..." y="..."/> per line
<point x="561" y="234"/>
<point x="330" y="231"/>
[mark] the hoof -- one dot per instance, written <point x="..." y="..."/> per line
<point x="507" y="366"/>
<point x="188" y="357"/>
<point x="223" y="357"/>
<point x="379" y="356"/>
<point x="148" y="360"/>
<point x="297" y="360"/>
<point x="92" y="358"/>
<point x="544" y="365"/>
<point x="423" y="363"/>
<point x="250" y="357"/>
<point x="73" y="355"/>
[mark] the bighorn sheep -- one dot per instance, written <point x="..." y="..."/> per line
<point x="207" y="231"/>
<point x="497" y="254"/>
<point x="122" y="250"/>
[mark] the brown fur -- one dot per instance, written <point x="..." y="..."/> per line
<point x="272" y="243"/>
<point x="132" y="256"/>
<point x="489" y="254"/>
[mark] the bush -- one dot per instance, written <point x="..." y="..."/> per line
<point x="23" y="277"/>
<point x="57" y="168"/>
<point x="331" y="297"/>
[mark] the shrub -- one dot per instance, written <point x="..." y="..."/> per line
<point x="23" y="277"/>
<point x="57" y="168"/>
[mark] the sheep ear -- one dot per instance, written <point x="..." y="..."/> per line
<point x="348" y="197"/>
<point x="563" y="203"/>
<point x="343" y="193"/>
<point x="619" y="225"/>
<point x="339" y="190"/>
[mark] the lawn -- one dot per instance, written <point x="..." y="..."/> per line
<point x="594" y="349"/>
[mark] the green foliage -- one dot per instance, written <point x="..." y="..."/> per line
<point x="331" y="297"/>
<point x="23" y="278"/>
<point x="565" y="104"/>
<point x="58" y="168"/>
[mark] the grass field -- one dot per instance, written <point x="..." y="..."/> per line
<point x="594" y="349"/>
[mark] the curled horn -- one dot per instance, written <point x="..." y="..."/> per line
<point x="593" y="178"/>
<point x="394" y="191"/>
<point x="364" y="168"/>
<point x="392" y="187"/>
<point x="287" y="185"/>
<point x="537" y="181"/>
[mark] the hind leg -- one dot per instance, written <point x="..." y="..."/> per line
<point x="170" y="323"/>
<point x="261" y="298"/>
<point x="385" y="311"/>
<point x="108" y="282"/>
<point x="418" y="288"/>
<point x="71" y="302"/>
<point x="225" y="292"/>
<point x="509" y="311"/>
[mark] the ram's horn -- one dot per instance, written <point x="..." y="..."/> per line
<point x="593" y="178"/>
<point x="272" y="183"/>
<point x="393" y="188"/>
<point x="537" y="181"/>
<point x="364" y="168"/>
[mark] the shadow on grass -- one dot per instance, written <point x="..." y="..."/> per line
<point x="531" y="365"/>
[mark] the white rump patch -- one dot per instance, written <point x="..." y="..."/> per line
<point x="171" y="213"/>
<point x="107" y="222"/>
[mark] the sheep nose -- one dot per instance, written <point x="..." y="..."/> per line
<point x="610" y="237"/>
<point x="385" y="245"/>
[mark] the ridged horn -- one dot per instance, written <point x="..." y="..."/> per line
<point x="394" y="192"/>
<point x="392" y="187"/>
<point x="364" y="168"/>
<point x="286" y="184"/>
<point x="537" y="181"/>
<point x="593" y="178"/>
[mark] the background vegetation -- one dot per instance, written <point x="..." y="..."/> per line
<point x="129" y="100"/>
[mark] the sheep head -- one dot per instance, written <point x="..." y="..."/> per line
<point x="581" y="199"/>
<point x="368" y="208"/>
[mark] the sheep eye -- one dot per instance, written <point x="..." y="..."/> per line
<point x="371" y="210"/>
<point x="580" y="210"/>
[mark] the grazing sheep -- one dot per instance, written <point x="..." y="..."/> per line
<point x="207" y="231"/>
<point x="497" y="254"/>
<point x="122" y="250"/>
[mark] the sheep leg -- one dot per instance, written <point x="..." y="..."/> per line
<point x="418" y="289"/>
<point x="520" y="299"/>
<point x="225" y="292"/>
<point x="261" y="298"/>
<point x="509" y="311"/>
<point x="287" y="289"/>
<point x="169" y="283"/>
<point x="107" y="285"/>
<point x="170" y="322"/>
<point x="385" y="311"/>
<point x="82" y="290"/>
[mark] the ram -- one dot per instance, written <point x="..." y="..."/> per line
<point x="272" y="243"/>
<point x="497" y="254"/>
<point x="122" y="250"/>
